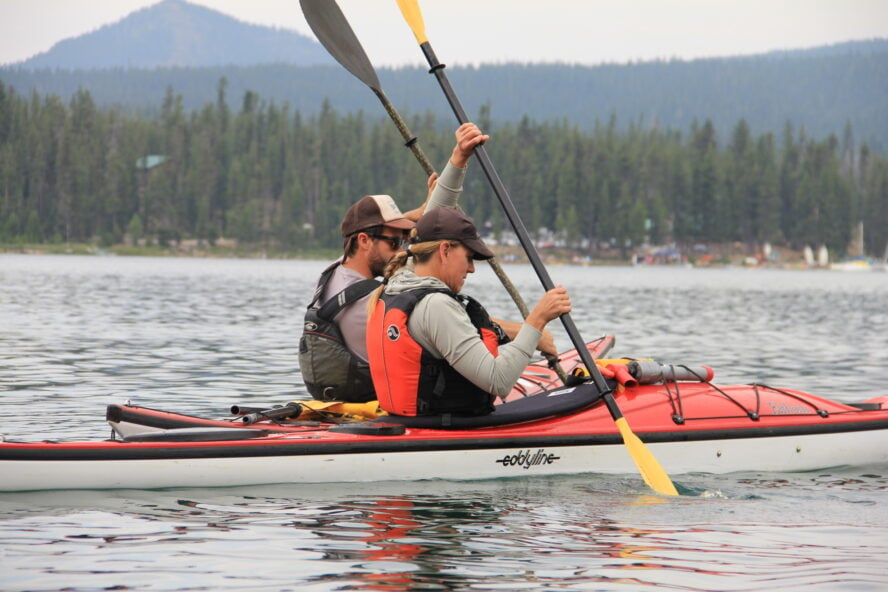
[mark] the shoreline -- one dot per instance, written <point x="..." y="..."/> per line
<point x="209" y="252"/>
<point x="717" y="256"/>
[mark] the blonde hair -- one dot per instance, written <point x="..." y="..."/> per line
<point x="421" y="252"/>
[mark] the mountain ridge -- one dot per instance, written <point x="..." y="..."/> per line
<point x="178" y="33"/>
<point x="195" y="36"/>
<point x="821" y="89"/>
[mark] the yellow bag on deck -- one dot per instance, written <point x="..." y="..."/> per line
<point x="313" y="409"/>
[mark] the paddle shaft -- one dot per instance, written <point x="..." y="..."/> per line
<point x="437" y="68"/>
<point x="410" y="140"/>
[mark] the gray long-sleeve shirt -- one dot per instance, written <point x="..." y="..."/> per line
<point x="441" y="325"/>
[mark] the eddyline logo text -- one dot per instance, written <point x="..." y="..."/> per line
<point x="527" y="459"/>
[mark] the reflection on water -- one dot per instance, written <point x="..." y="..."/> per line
<point x="78" y="333"/>
<point x="538" y="534"/>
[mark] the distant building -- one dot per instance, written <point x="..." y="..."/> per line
<point x="146" y="163"/>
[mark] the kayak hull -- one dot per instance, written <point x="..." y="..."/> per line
<point x="256" y="462"/>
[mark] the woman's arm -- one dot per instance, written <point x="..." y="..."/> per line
<point x="440" y="324"/>
<point x="444" y="191"/>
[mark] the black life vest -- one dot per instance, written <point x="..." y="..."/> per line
<point x="330" y="370"/>
<point x="408" y="379"/>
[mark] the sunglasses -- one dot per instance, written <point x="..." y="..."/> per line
<point x="394" y="241"/>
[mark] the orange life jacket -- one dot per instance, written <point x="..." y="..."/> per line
<point x="407" y="378"/>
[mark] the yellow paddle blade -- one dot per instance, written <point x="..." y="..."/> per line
<point x="413" y="16"/>
<point x="649" y="467"/>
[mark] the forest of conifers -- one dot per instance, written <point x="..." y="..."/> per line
<point x="258" y="172"/>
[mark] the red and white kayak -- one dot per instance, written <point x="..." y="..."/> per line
<point x="688" y="426"/>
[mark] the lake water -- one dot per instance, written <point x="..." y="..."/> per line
<point x="78" y="333"/>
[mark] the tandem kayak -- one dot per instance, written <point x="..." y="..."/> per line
<point x="689" y="423"/>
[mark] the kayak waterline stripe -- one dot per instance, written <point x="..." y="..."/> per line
<point x="15" y="451"/>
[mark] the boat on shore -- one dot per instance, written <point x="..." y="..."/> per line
<point x="690" y="423"/>
<point x="856" y="264"/>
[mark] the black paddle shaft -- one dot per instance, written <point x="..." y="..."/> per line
<point x="275" y="413"/>
<point x="437" y="68"/>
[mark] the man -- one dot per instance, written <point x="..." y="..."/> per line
<point x="333" y="351"/>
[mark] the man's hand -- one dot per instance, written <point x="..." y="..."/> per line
<point x="416" y="213"/>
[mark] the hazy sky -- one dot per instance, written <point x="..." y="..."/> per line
<point x="485" y="31"/>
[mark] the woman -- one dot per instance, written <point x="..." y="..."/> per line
<point x="432" y="350"/>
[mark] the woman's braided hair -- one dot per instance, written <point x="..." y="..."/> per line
<point x="421" y="252"/>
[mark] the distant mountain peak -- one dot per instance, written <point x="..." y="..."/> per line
<point x="176" y="33"/>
